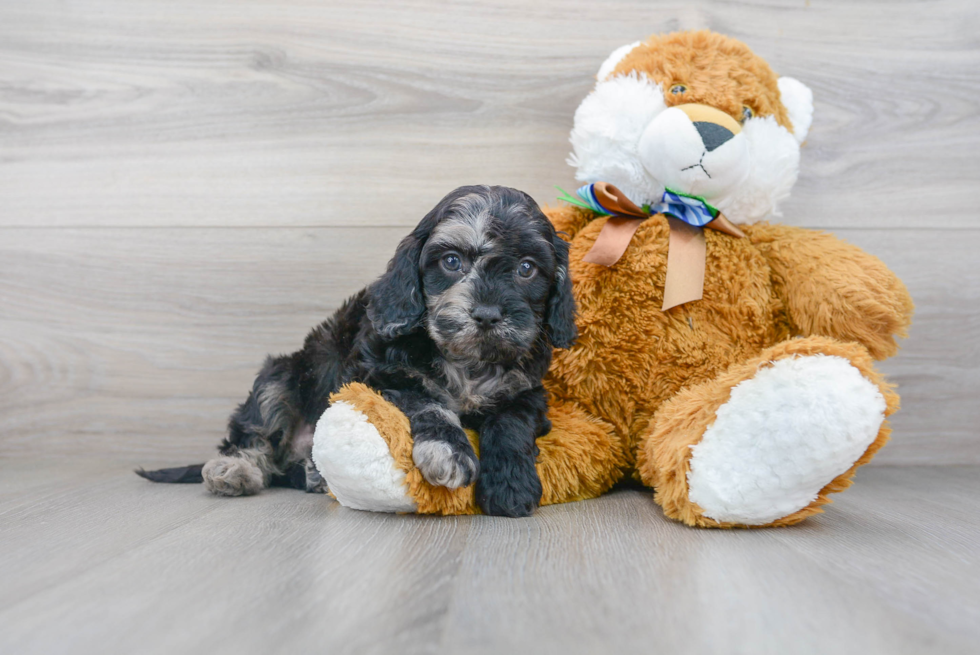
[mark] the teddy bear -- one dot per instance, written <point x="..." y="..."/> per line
<point x="723" y="361"/>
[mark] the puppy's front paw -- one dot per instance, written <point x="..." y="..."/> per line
<point x="444" y="464"/>
<point x="315" y="484"/>
<point x="511" y="489"/>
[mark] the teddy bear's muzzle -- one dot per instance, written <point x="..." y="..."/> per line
<point x="695" y="149"/>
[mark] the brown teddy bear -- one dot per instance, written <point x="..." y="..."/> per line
<point x="724" y="362"/>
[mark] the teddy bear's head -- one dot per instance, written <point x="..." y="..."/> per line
<point x="694" y="112"/>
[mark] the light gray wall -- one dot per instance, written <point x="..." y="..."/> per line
<point x="186" y="186"/>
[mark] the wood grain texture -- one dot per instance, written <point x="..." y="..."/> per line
<point x="99" y="561"/>
<point x="144" y="340"/>
<point x="188" y="186"/>
<point x="207" y="112"/>
<point x="141" y="341"/>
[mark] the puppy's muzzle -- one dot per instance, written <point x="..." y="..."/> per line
<point x="486" y="317"/>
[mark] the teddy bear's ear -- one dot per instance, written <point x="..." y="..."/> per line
<point x="798" y="100"/>
<point x="617" y="56"/>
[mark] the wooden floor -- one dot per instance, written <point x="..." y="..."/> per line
<point x="96" y="560"/>
<point x="188" y="185"/>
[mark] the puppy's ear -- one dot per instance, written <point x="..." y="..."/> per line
<point x="396" y="304"/>
<point x="561" y="304"/>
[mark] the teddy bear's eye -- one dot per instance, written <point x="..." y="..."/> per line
<point x="677" y="89"/>
<point x="747" y="113"/>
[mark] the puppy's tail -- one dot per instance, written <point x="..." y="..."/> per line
<point x="180" y="475"/>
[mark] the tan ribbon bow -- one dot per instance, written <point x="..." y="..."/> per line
<point x="686" y="250"/>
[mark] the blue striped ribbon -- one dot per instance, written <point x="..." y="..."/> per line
<point x="693" y="210"/>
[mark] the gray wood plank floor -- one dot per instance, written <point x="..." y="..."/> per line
<point x="188" y="185"/>
<point x="95" y="560"/>
<point x="105" y="346"/>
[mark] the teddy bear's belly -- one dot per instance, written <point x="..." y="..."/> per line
<point x="630" y="356"/>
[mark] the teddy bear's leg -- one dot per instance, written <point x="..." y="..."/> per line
<point x="766" y="442"/>
<point x="356" y="462"/>
<point x="363" y="448"/>
<point x="580" y="458"/>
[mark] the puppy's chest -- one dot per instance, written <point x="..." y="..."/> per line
<point x="467" y="389"/>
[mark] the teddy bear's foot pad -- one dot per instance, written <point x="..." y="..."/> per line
<point x="782" y="436"/>
<point x="357" y="463"/>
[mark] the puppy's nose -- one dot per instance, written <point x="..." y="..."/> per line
<point x="486" y="316"/>
<point x="712" y="134"/>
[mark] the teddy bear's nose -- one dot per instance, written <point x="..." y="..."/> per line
<point x="712" y="134"/>
<point x="715" y="126"/>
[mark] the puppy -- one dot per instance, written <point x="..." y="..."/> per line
<point x="457" y="333"/>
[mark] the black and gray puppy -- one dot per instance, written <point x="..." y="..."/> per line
<point x="457" y="333"/>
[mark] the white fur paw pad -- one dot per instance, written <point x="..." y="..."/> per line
<point x="782" y="436"/>
<point x="356" y="462"/>
<point x="232" y="476"/>
<point x="443" y="465"/>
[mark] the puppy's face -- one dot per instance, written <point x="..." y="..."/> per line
<point x="487" y="270"/>
<point x="492" y="275"/>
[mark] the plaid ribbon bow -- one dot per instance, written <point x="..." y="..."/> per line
<point x="693" y="210"/>
<point x="686" y="213"/>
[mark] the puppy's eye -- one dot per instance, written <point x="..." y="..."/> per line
<point x="747" y="113"/>
<point x="526" y="268"/>
<point x="678" y="89"/>
<point x="451" y="262"/>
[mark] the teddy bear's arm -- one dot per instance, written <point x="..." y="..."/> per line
<point x="833" y="288"/>
<point x="568" y="219"/>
